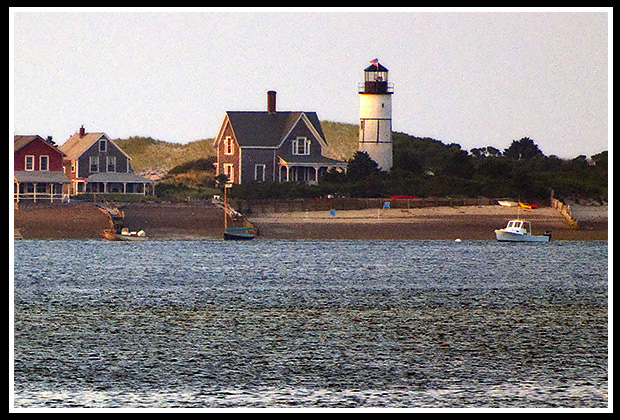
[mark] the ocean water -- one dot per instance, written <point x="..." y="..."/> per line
<point x="310" y="324"/>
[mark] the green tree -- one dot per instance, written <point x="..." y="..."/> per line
<point x="360" y="166"/>
<point x="458" y="163"/>
<point x="523" y="149"/>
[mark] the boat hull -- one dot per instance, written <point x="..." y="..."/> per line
<point x="241" y="236"/>
<point x="503" y="236"/>
<point x="238" y="234"/>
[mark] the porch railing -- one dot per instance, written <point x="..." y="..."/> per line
<point x="35" y="196"/>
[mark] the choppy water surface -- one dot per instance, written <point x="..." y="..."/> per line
<point x="310" y="324"/>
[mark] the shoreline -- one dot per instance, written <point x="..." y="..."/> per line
<point x="205" y="221"/>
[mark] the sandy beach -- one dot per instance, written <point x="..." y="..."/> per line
<point x="443" y="222"/>
<point x="197" y="221"/>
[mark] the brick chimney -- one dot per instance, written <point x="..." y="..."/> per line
<point x="82" y="132"/>
<point x="271" y="101"/>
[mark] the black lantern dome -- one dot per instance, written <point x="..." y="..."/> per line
<point x="376" y="79"/>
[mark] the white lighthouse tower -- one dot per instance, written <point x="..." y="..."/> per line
<point x="375" y="136"/>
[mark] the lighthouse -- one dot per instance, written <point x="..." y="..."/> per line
<point x="375" y="132"/>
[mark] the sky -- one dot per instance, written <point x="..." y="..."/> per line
<point x="477" y="78"/>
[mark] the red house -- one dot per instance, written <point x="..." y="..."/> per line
<point x="38" y="171"/>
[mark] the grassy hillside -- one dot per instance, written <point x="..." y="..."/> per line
<point x="150" y="155"/>
<point x="341" y="139"/>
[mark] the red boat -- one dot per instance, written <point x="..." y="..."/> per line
<point x="405" y="197"/>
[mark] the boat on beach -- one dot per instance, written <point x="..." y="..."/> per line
<point x="124" y="235"/>
<point x="238" y="234"/>
<point x="508" y="203"/>
<point x="520" y="231"/>
<point x="234" y="233"/>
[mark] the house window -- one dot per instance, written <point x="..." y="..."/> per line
<point x="73" y="166"/>
<point x="111" y="163"/>
<point x="229" y="171"/>
<point x="229" y="146"/>
<point x="29" y="164"/>
<point x="103" y="145"/>
<point x="94" y="163"/>
<point x="259" y="172"/>
<point x="301" y="146"/>
<point x="44" y="163"/>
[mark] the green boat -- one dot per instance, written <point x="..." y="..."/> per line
<point x="238" y="234"/>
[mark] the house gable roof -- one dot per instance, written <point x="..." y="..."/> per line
<point x="264" y="129"/>
<point x="76" y="145"/>
<point x="20" y="141"/>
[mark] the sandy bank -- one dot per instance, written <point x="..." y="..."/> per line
<point x="86" y="221"/>
<point x="61" y="221"/>
<point x="196" y="221"/>
<point x="175" y="221"/>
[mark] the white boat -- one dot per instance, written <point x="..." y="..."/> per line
<point x="508" y="203"/>
<point x="124" y="235"/>
<point x="520" y="231"/>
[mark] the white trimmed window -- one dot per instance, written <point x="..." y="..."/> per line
<point x="259" y="172"/>
<point x="229" y="146"/>
<point x="301" y="146"/>
<point x="111" y="163"/>
<point x="229" y="171"/>
<point x="29" y="163"/>
<point x="93" y="163"/>
<point x="44" y="163"/>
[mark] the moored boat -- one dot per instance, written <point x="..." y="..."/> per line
<point x="520" y="231"/>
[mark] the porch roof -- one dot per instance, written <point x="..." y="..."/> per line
<point x="56" y="177"/>
<point x="121" y="177"/>
<point x="306" y="160"/>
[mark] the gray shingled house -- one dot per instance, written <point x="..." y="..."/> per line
<point x="95" y="164"/>
<point x="272" y="146"/>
